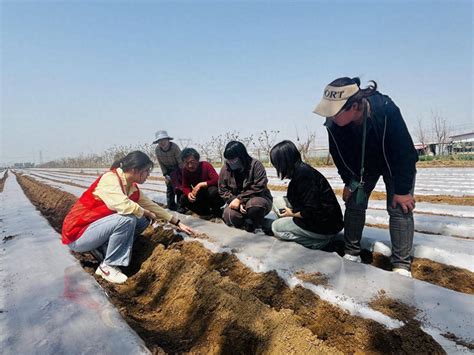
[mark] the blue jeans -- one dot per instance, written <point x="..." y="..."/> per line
<point x="401" y="225"/>
<point x="285" y="229"/>
<point x="113" y="235"/>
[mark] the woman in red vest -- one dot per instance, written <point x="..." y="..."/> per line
<point x="111" y="212"/>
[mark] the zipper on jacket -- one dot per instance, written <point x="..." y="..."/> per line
<point x="337" y="147"/>
<point x="383" y="144"/>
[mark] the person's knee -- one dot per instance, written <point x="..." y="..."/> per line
<point x="351" y="204"/>
<point x="256" y="212"/>
<point x="127" y="220"/>
<point x="232" y="217"/>
<point x="397" y="212"/>
<point x="278" y="227"/>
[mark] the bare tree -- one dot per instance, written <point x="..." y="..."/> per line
<point x="266" y="140"/>
<point x="205" y="149"/>
<point x="304" y="144"/>
<point x="149" y="149"/>
<point x="441" y="130"/>
<point x="218" y="145"/>
<point x="184" y="142"/>
<point x="421" y="135"/>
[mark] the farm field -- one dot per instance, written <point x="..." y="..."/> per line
<point x="196" y="294"/>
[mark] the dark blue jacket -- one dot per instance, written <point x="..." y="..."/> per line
<point x="389" y="147"/>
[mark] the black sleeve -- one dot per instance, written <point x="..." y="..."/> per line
<point x="400" y="150"/>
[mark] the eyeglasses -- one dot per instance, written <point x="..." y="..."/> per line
<point x="191" y="162"/>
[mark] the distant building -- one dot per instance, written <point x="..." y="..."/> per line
<point x="462" y="143"/>
<point x="458" y="143"/>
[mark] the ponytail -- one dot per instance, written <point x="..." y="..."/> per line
<point x="359" y="95"/>
<point x="134" y="160"/>
<point x="116" y="164"/>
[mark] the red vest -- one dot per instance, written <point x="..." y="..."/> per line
<point x="87" y="210"/>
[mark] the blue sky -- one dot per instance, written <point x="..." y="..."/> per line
<point x="79" y="77"/>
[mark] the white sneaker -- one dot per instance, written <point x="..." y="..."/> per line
<point x="111" y="274"/>
<point x="353" y="258"/>
<point x="403" y="272"/>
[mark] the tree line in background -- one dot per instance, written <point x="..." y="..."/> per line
<point x="433" y="140"/>
<point x="258" y="145"/>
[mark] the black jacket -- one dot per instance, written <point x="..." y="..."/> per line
<point x="310" y="194"/>
<point x="389" y="147"/>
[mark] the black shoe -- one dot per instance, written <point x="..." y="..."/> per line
<point x="217" y="213"/>
<point x="182" y="210"/>
<point x="249" y="226"/>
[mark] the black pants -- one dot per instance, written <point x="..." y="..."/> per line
<point x="257" y="208"/>
<point x="173" y="189"/>
<point x="208" y="202"/>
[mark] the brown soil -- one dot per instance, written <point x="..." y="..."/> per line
<point x="393" y="308"/>
<point x="53" y="203"/>
<point x="315" y="278"/>
<point x="451" y="200"/>
<point x="445" y="164"/>
<point x="451" y="277"/>
<point x="180" y="297"/>
<point x="277" y="187"/>
<point x="381" y="196"/>
<point x="2" y="180"/>
<point x="458" y="341"/>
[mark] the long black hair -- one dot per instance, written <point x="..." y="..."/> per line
<point x="235" y="149"/>
<point x="358" y="96"/>
<point x="134" y="160"/>
<point x="285" y="157"/>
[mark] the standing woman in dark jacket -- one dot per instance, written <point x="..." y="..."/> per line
<point x="368" y="139"/>
<point x="315" y="215"/>
<point x="243" y="186"/>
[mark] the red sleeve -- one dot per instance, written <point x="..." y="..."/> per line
<point x="210" y="174"/>
<point x="185" y="187"/>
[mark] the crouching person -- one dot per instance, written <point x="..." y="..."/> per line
<point x="199" y="185"/>
<point x="243" y="186"/>
<point x="315" y="215"/>
<point x="111" y="212"/>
